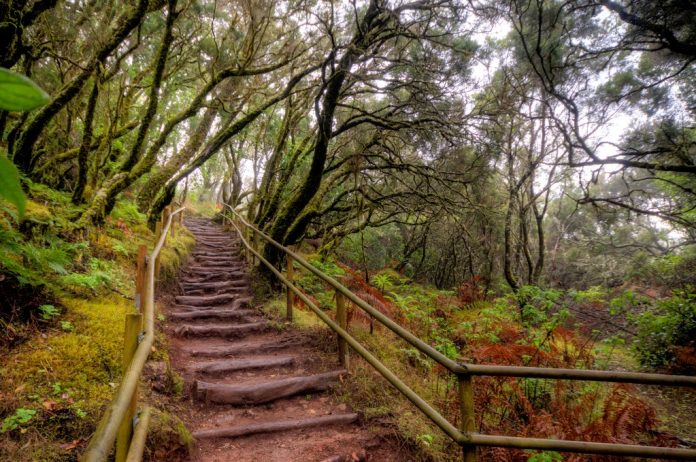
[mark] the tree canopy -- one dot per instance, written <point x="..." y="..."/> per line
<point x="491" y="135"/>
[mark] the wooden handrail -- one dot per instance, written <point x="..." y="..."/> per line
<point x="467" y="437"/>
<point x="102" y="440"/>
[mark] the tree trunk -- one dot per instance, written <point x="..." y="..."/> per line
<point x="24" y="146"/>
<point x="82" y="163"/>
<point x="287" y="228"/>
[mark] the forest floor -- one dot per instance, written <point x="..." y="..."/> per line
<point x="673" y="405"/>
<point x="256" y="389"/>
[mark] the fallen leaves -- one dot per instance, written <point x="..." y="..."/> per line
<point x="49" y="404"/>
<point x="71" y="445"/>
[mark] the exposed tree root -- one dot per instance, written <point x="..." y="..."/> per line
<point x="229" y="314"/>
<point x="277" y="426"/>
<point x="220" y="367"/>
<point x="227" y="331"/>
<point x="234" y="350"/>
<point x="263" y="392"/>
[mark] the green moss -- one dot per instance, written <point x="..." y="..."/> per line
<point x="175" y="252"/>
<point x="68" y="377"/>
<point x="167" y="438"/>
<point x="37" y="212"/>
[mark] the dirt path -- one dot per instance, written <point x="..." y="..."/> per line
<point x="255" y="393"/>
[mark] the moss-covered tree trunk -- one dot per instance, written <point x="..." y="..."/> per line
<point x="105" y="198"/>
<point x="285" y="229"/>
<point x="82" y="164"/>
<point x="23" y="147"/>
<point x="157" y="180"/>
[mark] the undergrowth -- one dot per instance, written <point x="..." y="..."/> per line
<point x="534" y="328"/>
<point x="61" y="330"/>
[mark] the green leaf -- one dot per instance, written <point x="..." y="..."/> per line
<point x="10" y="188"/>
<point x="19" y="93"/>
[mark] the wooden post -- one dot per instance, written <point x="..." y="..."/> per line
<point x="249" y="255"/>
<point x="290" y="295"/>
<point x="342" y="320"/>
<point x="140" y="277"/>
<point x="250" y="240"/>
<point x="172" y="228"/>
<point x="257" y="247"/>
<point x="466" y="409"/>
<point x="165" y="214"/>
<point x="134" y="322"/>
<point x="158" y="234"/>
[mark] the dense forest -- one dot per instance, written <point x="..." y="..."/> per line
<point x="531" y="160"/>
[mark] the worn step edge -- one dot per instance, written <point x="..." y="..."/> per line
<point x="214" y="284"/>
<point x="232" y="290"/>
<point x="206" y="269"/>
<point x="275" y="426"/>
<point x="234" y="350"/>
<point x="218" y="314"/>
<point x="238" y="303"/>
<point x="205" y="300"/>
<point x="226" y="331"/>
<point x="263" y="392"/>
<point x="219" y="367"/>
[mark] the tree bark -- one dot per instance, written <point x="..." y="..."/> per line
<point x="82" y="164"/>
<point x="285" y="229"/>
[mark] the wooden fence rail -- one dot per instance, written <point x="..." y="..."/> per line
<point x="120" y="422"/>
<point x="466" y="436"/>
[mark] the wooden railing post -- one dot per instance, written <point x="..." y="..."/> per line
<point x="466" y="409"/>
<point x="257" y="247"/>
<point x="245" y="236"/>
<point x="158" y="234"/>
<point x="342" y="320"/>
<point x="172" y="228"/>
<point x="140" y="277"/>
<point x="165" y="214"/>
<point x="134" y="323"/>
<point x="289" y="294"/>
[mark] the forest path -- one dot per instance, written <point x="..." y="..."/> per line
<point x="255" y="392"/>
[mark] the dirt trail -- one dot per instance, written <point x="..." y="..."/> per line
<point x="255" y="393"/>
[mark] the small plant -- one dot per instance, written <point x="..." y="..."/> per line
<point x="57" y="388"/>
<point x="19" y="418"/>
<point x="48" y="312"/>
<point x="67" y="326"/>
<point x="120" y="249"/>
<point x="382" y="281"/>
<point x="544" y="456"/>
<point x="426" y="439"/>
<point x="446" y="347"/>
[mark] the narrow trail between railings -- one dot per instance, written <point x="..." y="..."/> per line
<point x="255" y="392"/>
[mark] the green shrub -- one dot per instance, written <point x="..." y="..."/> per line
<point x="536" y="303"/>
<point x="666" y="328"/>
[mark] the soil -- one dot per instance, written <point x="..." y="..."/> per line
<point x="226" y="345"/>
